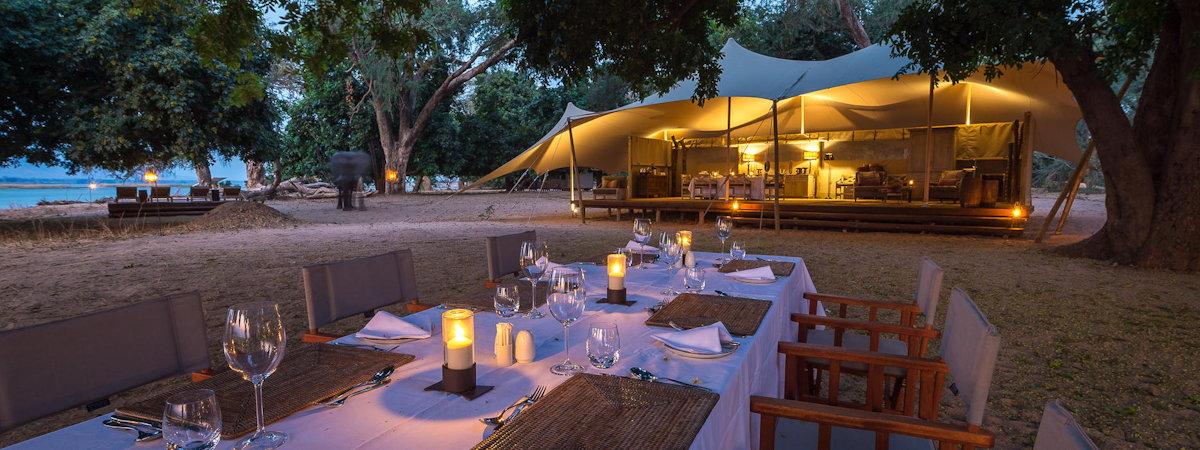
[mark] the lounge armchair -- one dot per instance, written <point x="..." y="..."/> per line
<point x="157" y="192"/>
<point x="126" y="193"/>
<point x="83" y="360"/>
<point x="969" y="352"/>
<point x="611" y="187"/>
<point x="337" y="290"/>
<point x="198" y="192"/>
<point x="948" y="186"/>
<point x="503" y="255"/>
<point x="870" y="184"/>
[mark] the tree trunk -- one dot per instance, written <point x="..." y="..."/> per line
<point x="203" y="174"/>
<point x="856" y="29"/>
<point x="256" y="174"/>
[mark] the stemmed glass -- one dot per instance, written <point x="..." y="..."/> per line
<point x="603" y="345"/>
<point x="724" y="230"/>
<point x="664" y="239"/>
<point x="192" y="420"/>
<point x="507" y="300"/>
<point x="673" y="252"/>
<point x="253" y="345"/>
<point x="641" y="235"/>
<point x="534" y="258"/>
<point x="566" y="301"/>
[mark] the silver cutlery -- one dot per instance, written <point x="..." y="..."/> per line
<point x="645" y="375"/>
<point x="342" y="400"/>
<point x="496" y="420"/>
<point x="146" y="431"/>
<point x="537" y="395"/>
<point x="379" y="376"/>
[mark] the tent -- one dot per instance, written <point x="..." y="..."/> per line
<point x="862" y="90"/>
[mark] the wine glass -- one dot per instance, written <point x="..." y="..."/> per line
<point x="724" y="230"/>
<point x="253" y="345"/>
<point x="534" y="258"/>
<point x="603" y="345"/>
<point x="737" y="251"/>
<point x="192" y="420"/>
<point x="641" y="235"/>
<point x="507" y="300"/>
<point x="673" y="253"/>
<point x="664" y="239"/>
<point x="693" y="279"/>
<point x="566" y="302"/>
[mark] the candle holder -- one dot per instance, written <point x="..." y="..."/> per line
<point x="616" y="281"/>
<point x="458" y="354"/>
<point x="684" y="239"/>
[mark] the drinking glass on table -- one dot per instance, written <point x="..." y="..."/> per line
<point x="507" y="300"/>
<point x="737" y="251"/>
<point x="665" y="239"/>
<point x="641" y="235"/>
<point x="192" y="420"/>
<point x="534" y="258"/>
<point x="724" y="230"/>
<point x="693" y="279"/>
<point x="603" y="345"/>
<point x="254" y="343"/>
<point x="566" y="301"/>
<point x="673" y="252"/>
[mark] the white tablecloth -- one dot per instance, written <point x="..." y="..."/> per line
<point x="403" y="415"/>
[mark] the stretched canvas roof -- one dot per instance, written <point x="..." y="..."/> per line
<point x="862" y="90"/>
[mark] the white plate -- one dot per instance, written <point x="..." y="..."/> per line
<point x="389" y="341"/>
<point x="726" y="350"/>
<point x="751" y="280"/>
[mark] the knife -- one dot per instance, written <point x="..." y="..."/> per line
<point x="145" y="430"/>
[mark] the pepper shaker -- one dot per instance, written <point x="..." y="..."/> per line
<point x="525" y="352"/>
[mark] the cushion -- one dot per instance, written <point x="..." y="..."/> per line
<point x="858" y="341"/>
<point x="790" y="433"/>
<point x="870" y="178"/>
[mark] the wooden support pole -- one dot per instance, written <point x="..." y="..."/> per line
<point x="929" y="140"/>
<point x="775" y="132"/>
<point x="571" y="137"/>
<point x="729" y="129"/>
<point x="1076" y="176"/>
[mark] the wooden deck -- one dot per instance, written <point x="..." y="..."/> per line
<point x="873" y="215"/>
<point x="160" y="208"/>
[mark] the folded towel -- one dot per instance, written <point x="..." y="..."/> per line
<point x="763" y="273"/>
<point x="386" y="325"/>
<point x="640" y="248"/>
<point x="706" y="339"/>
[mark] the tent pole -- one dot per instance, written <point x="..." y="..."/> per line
<point x="571" y="136"/>
<point x="929" y="139"/>
<point x="968" y="103"/>
<point x="775" y="132"/>
<point x="803" y="125"/>
<point x="1076" y="177"/>
<point x="728" y="127"/>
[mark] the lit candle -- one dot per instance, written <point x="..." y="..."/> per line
<point x="392" y="175"/>
<point x="1017" y="212"/>
<point x="684" y="238"/>
<point x="616" y="272"/>
<point x="150" y="176"/>
<point x="458" y="333"/>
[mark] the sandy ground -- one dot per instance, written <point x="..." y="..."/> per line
<point x="1117" y="344"/>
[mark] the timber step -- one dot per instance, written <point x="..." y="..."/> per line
<point x="160" y="209"/>
<point x="886" y="226"/>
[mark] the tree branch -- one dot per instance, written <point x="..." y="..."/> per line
<point x="461" y="75"/>
<point x="856" y="29"/>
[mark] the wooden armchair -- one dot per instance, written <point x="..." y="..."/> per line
<point x="337" y="290"/>
<point x="912" y="334"/>
<point x="969" y="352"/>
<point x="870" y="184"/>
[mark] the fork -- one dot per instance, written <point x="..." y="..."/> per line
<point x="537" y="395"/>
<point x="496" y="420"/>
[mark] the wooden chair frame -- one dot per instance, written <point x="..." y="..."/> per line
<point x="917" y="416"/>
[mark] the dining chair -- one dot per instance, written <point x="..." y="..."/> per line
<point x="968" y="356"/>
<point x="503" y="255"/>
<point x="337" y="290"/>
<point x="1059" y="430"/>
<point x="915" y="321"/>
<point x="83" y="360"/>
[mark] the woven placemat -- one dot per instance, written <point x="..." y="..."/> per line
<point x="308" y="373"/>
<point x="603" y="411"/>
<point x="781" y="268"/>
<point x="740" y="315"/>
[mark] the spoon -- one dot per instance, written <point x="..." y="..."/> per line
<point x="379" y="376"/>
<point x="645" y="375"/>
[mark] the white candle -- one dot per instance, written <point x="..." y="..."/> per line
<point x="616" y="272"/>
<point x="458" y="353"/>
<point x="458" y="333"/>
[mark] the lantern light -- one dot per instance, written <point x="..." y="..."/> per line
<point x="150" y="177"/>
<point x="92" y="185"/>
<point x="616" y="271"/>
<point x="736" y="205"/>
<point x="391" y="175"/>
<point x="1018" y="212"/>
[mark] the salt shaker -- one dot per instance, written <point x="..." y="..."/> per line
<point x="524" y="347"/>
<point x="504" y="344"/>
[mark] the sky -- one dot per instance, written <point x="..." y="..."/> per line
<point x="234" y="170"/>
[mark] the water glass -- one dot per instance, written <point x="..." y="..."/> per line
<point x="737" y="251"/>
<point x="253" y="345"/>
<point x="603" y="345"/>
<point x="566" y="302"/>
<point x="534" y="258"/>
<point x="507" y="300"/>
<point x="693" y="279"/>
<point x="641" y="235"/>
<point x="724" y="230"/>
<point x="192" y="420"/>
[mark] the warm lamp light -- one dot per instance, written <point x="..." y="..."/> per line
<point x="684" y="239"/>
<point x="616" y="272"/>
<point x="811" y="156"/>
<point x="736" y="205"/>
<point x="391" y="175"/>
<point x="93" y="185"/>
<point x="150" y="176"/>
<point x="1018" y="212"/>
<point x="458" y="338"/>
<point x="912" y="182"/>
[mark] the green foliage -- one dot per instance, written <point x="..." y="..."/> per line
<point x="790" y="30"/>
<point x="324" y="121"/>
<point x="956" y="38"/>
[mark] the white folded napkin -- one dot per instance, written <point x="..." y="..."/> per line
<point x="386" y="325"/>
<point x="640" y="248"/>
<point x="763" y="273"/>
<point x="549" y="265"/>
<point x="706" y="339"/>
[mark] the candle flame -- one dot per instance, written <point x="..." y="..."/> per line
<point x="1017" y="212"/>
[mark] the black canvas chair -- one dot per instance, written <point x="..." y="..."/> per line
<point x="503" y="255"/>
<point x="337" y="290"/>
<point x="83" y="360"/>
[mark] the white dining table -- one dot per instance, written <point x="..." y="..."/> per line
<point x="404" y="415"/>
